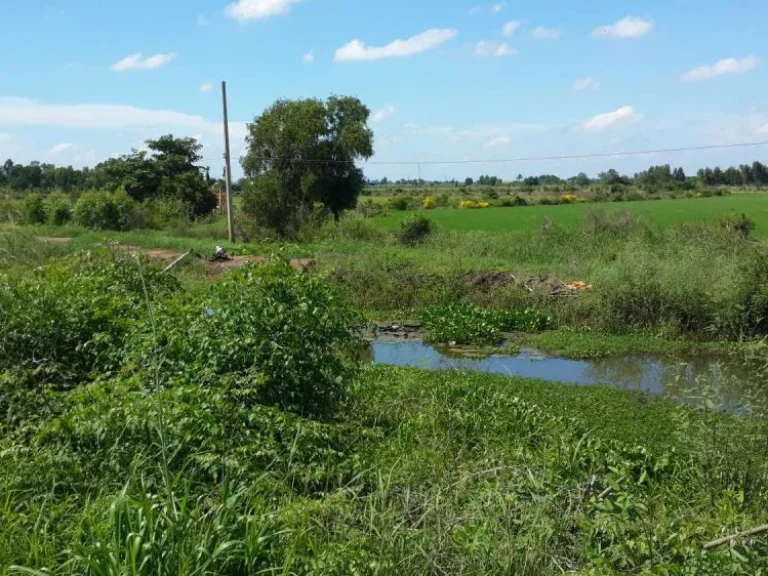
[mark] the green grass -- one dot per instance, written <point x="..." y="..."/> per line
<point x="583" y="344"/>
<point x="656" y="213"/>
<point x="149" y="429"/>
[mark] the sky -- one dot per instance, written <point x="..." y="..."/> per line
<point x="446" y="80"/>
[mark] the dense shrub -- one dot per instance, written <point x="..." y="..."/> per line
<point x="616" y="224"/>
<point x="107" y="211"/>
<point x="33" y="209"/>
<point x="738" y="224"/>
<point x="414" y="229"/>
<point x="59" y="209"/>
<point x="512" y="201"/>
<point x="281" y="330"/>
<point x="402" y="203"/>
<point x="191" y="190"/>
<point x="69" y="320"/>
<point x="167" y="213"/>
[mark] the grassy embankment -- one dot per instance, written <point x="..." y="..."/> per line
<point x="653" y="275"/>
<point x="148" y="429"/>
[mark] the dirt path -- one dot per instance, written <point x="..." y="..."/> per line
<point x="167" y="256"/>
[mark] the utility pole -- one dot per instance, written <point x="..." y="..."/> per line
<point x="228" y="165"/>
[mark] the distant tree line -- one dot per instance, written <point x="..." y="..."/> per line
<point x="168" y="169"/>
<point x="755" y="174"/>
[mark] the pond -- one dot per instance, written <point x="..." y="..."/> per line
<point x="654" y="375"/>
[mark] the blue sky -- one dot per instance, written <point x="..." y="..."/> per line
<point x="82" y="80"/>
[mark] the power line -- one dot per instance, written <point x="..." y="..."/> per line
<point x="420" y="163"/>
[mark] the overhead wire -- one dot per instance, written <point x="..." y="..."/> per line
<point x="419" y="163"/>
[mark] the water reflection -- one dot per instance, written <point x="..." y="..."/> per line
<point x="658" y="376"/>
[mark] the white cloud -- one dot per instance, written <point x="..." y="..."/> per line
<point x="475" y="10"/>
<point x="763" y="129"/>
<point x="484" y="48"/>
<point x="206" y="87"/>
<point x="60" y="148"/>
<point x="498" y="142"/>
<point x="541" y="33"/>
<point x="496" y="8"/>
<point x="627" y="27"/>
<point x="202" y="20"/>
<point x="356" y="50"/>
<point x="25" y="112"/>
<point x="600" y="122"/>
<point x="722" y="67"/>
<point x="138" y="62"/>
<point x="244" y="10"/>
<point x="510" y="27"/>
<point x="308" y="57"/>
<point x="384" y="113"/>
<point x="586" y="84"/>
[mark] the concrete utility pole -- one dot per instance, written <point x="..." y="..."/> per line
<point x="228" y="165"/>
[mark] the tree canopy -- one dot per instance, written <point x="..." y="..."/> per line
<point x="307" y="149"/>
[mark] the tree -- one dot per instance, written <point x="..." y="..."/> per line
<point x="169" y="171"/>
<point x="308" y="148"/>
<point x="469" y="182"/>
<point x="582" y="180"/>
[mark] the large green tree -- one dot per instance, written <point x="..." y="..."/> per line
<point x="305" y="151"/>
<point x="168" y="170"/>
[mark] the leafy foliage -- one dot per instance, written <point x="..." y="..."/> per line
<point x="414" y="229"/>
<point x="67" y="321"/>
<point x="283" y="332"/>
<point x="33" y="209"/>
<point x="307" y="150"/>
<point x="99" y="210"/>
<point x="468" y="324"/>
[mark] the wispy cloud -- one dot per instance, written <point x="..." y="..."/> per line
<point x="206" y="87"/>
<point x="510" y="27"/>
<point x="60" y="148"/>
<point x="496" y="8"/>
<point x="202" y="20"/>
<point x="498" y="142"/>
<point x="356" y="50"/>
<point x="722" y="67"/>
<point x="139" y="62"/>
<point x="623" y="115"/>
<point x="244" y="10"/>
<point x="475" y="10"/>
<point x="627" y="27"/>
<point x="308" y="57"/>
<point x="384" y="113"/>
<point x="583" y="84"/>
<point x="484" y="48"/>
<point x="541" y="33"/>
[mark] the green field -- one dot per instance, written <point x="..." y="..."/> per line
<point x="658" y="213"/>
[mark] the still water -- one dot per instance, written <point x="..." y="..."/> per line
<point x="655" y="375"/>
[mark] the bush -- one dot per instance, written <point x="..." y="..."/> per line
<point x="192" y="190"/>
<point x="281" y="331"/>
<point x="414" y="229"/>
<point x="33" y="209"/>
<point x="512" y="201"/>
<point x="107" y="211"/>
<point x="402" y="203"/>
<point x="738" y="224"/>
<point x="59" y="209"/>
<point x="429" y="203"/>
<point x="167" y="213"/>
<point x="610" y="223"/>
<point x="67" y="321"/>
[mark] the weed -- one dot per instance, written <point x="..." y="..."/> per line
<point x="414" y="229"/>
